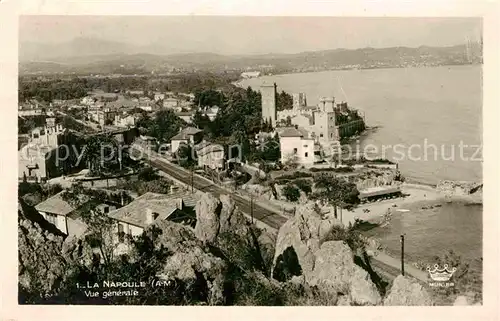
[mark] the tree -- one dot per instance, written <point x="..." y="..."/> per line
<point x="291" y="193"/>
<point x="304" y="185"/>
<point x="336" y="191"/>
<point x="201" y="121"/>
<point x="185" y="156"/>
<point x="147" y="174"/>
<point x="165" y="125"/>
<point x="98" y="152"/>
<point x="99" y="226"/>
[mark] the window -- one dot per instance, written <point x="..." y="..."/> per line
<point x="331" y="135"/>
<point x="35" y="135"/>
<point x="120" y="232"/>
<point x="51" y="218"/>
<point x="305" y="155"/>
<point x="321" y="135"/>
<point x="305" y="146"/>
<point x="295" y="150"/>
<point x="106" y="209"/>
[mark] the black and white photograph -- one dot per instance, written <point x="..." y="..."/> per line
<point x="250" y="160"/>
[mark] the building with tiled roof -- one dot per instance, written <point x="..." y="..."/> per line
<point x="188" y="135"/>
<point x="64" y="216"/>
<point x="133" y="218"/>
<point x="296" y="145"/>
<point x="210" y="155"/>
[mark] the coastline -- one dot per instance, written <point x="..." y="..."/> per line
<point x="238" y="82"/>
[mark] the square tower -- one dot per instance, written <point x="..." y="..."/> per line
<point x="268" y="94"/>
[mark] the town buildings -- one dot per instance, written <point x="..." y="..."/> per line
<point x="124" y="120"/>
<point x="34" y="156"/>
<point x="32" y="108"/>
<point x="250" y="74"/>
<point x="170" y="103"/>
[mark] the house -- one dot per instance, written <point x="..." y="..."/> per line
<point x="211" y="112"/>
<point x="250" y="74"/>
<point x="26" y="110"/>
<point x="185" y="116"/>
<point x="170" y="102"/>
<point x="296" y="146"/>
<point x="88" y="101"/>
<point x="133" y="218"/>
<point x="210" y="155"/>
<point x="124" y="120"/>
<point x="159" y="96"/>
<point x="64" y="216"/>
<point x="189" y="135"/>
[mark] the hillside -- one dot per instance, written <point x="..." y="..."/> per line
<point x="104" y="57"/>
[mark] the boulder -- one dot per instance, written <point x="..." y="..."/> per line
<point x="208" y="211"/>
<point x="41" y="267"/>
<point x="193" y="266"/>
<point x="190" y="263"/>
<point x="335" y="272"/>
<point x="407" y="292"/>
<point x="231" y="220"/>
<point x="77" y="251"/>
<point x="304" y="233"/>
<point x="173" y="236"/>
<point x="461" y="300"/>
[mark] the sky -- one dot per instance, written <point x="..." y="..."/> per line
<point x="252" y="35"/>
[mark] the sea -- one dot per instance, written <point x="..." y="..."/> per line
<point x="429" y="120"/>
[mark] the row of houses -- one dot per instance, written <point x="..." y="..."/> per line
<point x="127" y="219"/>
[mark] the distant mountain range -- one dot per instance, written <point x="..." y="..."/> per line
<point x="88" y="55"/>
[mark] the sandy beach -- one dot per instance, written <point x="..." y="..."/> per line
<point x="416" y="193"/>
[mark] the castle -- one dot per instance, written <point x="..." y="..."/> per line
<point x="323" y="125"/>
<point x="268" y="94"/>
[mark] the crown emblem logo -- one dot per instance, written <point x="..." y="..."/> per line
<point x="441" y="275"/>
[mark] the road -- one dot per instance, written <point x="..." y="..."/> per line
<point x="260" y="213"/>
<point x="382" y="263"/>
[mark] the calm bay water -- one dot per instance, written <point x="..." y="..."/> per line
<point x="441" y="106"/>
<point x="409" y="106"/>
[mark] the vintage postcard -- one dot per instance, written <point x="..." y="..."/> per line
<point x="252" y="160"/>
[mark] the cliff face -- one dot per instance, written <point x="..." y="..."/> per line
<point x="467" y="191"/>
<point x="224" y="260"/>
<point x="41" y="266"/>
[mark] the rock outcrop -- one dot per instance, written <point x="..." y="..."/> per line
<point x="208" y="211"/>
<point x="407" y="292"/>
<point x="41" y="266"/>
<point x="304" y="233"/>
<point x="190" y="262"/>
<point x="214" y="217"/>
<point x="327" y="266"/>
<point x="457" y="188"/>
<point x="335" y="272"/>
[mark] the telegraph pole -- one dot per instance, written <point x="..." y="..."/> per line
<point x="192" y="180"/>
<point x="402" y="254"/>
<point x="251" y="207"/>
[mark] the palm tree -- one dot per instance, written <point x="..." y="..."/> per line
<point x="96" y="148"/>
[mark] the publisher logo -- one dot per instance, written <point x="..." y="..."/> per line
<point x="441" y="277"/>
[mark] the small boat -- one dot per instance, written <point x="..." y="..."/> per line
<point x="402" y="210"/>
